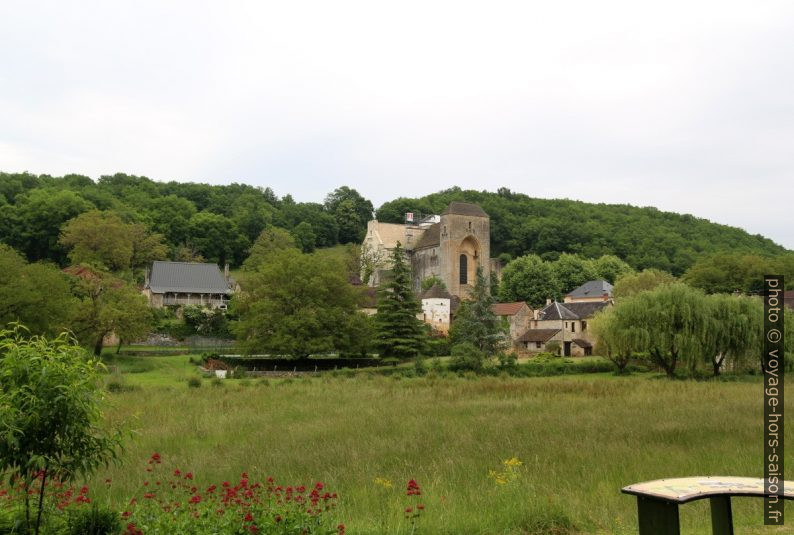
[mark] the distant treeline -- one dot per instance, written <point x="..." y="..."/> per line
<point x="219" y="223"/>
<point x="643" y="237"/>
<point x="197" y="221"/>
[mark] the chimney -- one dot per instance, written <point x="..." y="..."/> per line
<point x="226" y="271"/>
<point x="548" y="301"/>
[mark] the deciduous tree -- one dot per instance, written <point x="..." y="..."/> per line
<point x="51" y="426"/>
<point x="297" y="305"/>
<point x="529" y="278"/>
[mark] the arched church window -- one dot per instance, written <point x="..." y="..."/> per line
<point x="464" y="269"/>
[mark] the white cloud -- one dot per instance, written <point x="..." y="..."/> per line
<point x="685" y="106"/>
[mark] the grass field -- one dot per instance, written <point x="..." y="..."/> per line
<point x="580" y="438"/>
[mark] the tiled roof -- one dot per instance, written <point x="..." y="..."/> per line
<point x="507" y="309"/>
<point x="187" y="277"/>
<point x="464" y="208"/>
<point x="538" y="335"/>
<point x="592" y="289"/>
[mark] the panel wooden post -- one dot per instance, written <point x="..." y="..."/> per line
<point x="721" y="515"/>
<point x="657" y="517"/>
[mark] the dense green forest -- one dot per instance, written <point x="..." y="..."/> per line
<point x="220" y="223"/>
<point x="643" y="237"/>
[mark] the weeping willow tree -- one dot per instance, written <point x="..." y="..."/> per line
<point x="734" y="330"/>
<point x="618" y="341"/>
<point x="669" y="323"/>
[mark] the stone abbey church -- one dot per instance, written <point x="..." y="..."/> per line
<point x="449" y="246"/>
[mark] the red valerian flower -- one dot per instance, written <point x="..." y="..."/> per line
<point x="413" y="488"/>
<point x="189" y="475"/>
<point x="340" y="529"/>
<point x="249" y="517"/>
<point x="195" y="499"/>
<point x="420" y="507"/>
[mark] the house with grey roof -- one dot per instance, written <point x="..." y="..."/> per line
<point x="564" y="323"/>
<point x="188" y="283"/>
<point x="590" y="291"/>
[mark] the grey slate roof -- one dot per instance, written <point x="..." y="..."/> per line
<point x="571" y="311"/>
<point x="187" y="277"/>
<point x="586" y="310"/>
<point x="464" y="208"/>
<point x="556" y="311"/>
<point x="592" y="289"/>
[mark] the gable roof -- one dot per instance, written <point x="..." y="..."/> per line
<point x="464" y="208"/>
<point x="595" y="288"/>
<point x="571" y="311"/>
<point x="586" y="310"/>
<point x="557" y="311"/>
<point x="187" y="277"/>
<point x="538" y="335"/>
<point x="508" y="309"/>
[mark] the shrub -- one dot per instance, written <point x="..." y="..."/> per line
<point x="466" y="357"/>
<point x="194" y="382"/>
<point x="93" y="521"/>
<point x="50" y="397"/>
<point x="553" y="347"/>
<point x="217" y="381"/>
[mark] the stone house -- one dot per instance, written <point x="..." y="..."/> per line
<point x="438" y="308"/>
<point x="188" y="283"/>
<point x="517" y="316"/>
<point x="564" y="323"/>
<point x="449" y="246"/>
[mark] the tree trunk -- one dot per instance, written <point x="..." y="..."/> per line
<point x="98" y="346"/>
<point x="717" y="364"/>
<point x="118" y="348"/>
<point x="41" y="500"/>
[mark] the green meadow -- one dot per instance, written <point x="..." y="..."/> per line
<point x="580" y="438"/>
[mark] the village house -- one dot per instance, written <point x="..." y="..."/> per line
<point x="566" y="323"/>
<point x="517" y="316"/>
<point x="188" y="283"/>
<point x="438" y="308"/>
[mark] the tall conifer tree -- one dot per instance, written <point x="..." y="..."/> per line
<point x="400" y="334"/>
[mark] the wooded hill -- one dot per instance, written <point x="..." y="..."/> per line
<point x="219" y="223"/>
<point x="643" y="237"/>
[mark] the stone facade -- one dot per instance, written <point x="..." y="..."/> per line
<point x="450" y="246"/>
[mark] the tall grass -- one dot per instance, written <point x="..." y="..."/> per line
<point x="580" y="438"/>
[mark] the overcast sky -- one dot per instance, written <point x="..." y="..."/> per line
<point x="686" y="106"/>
